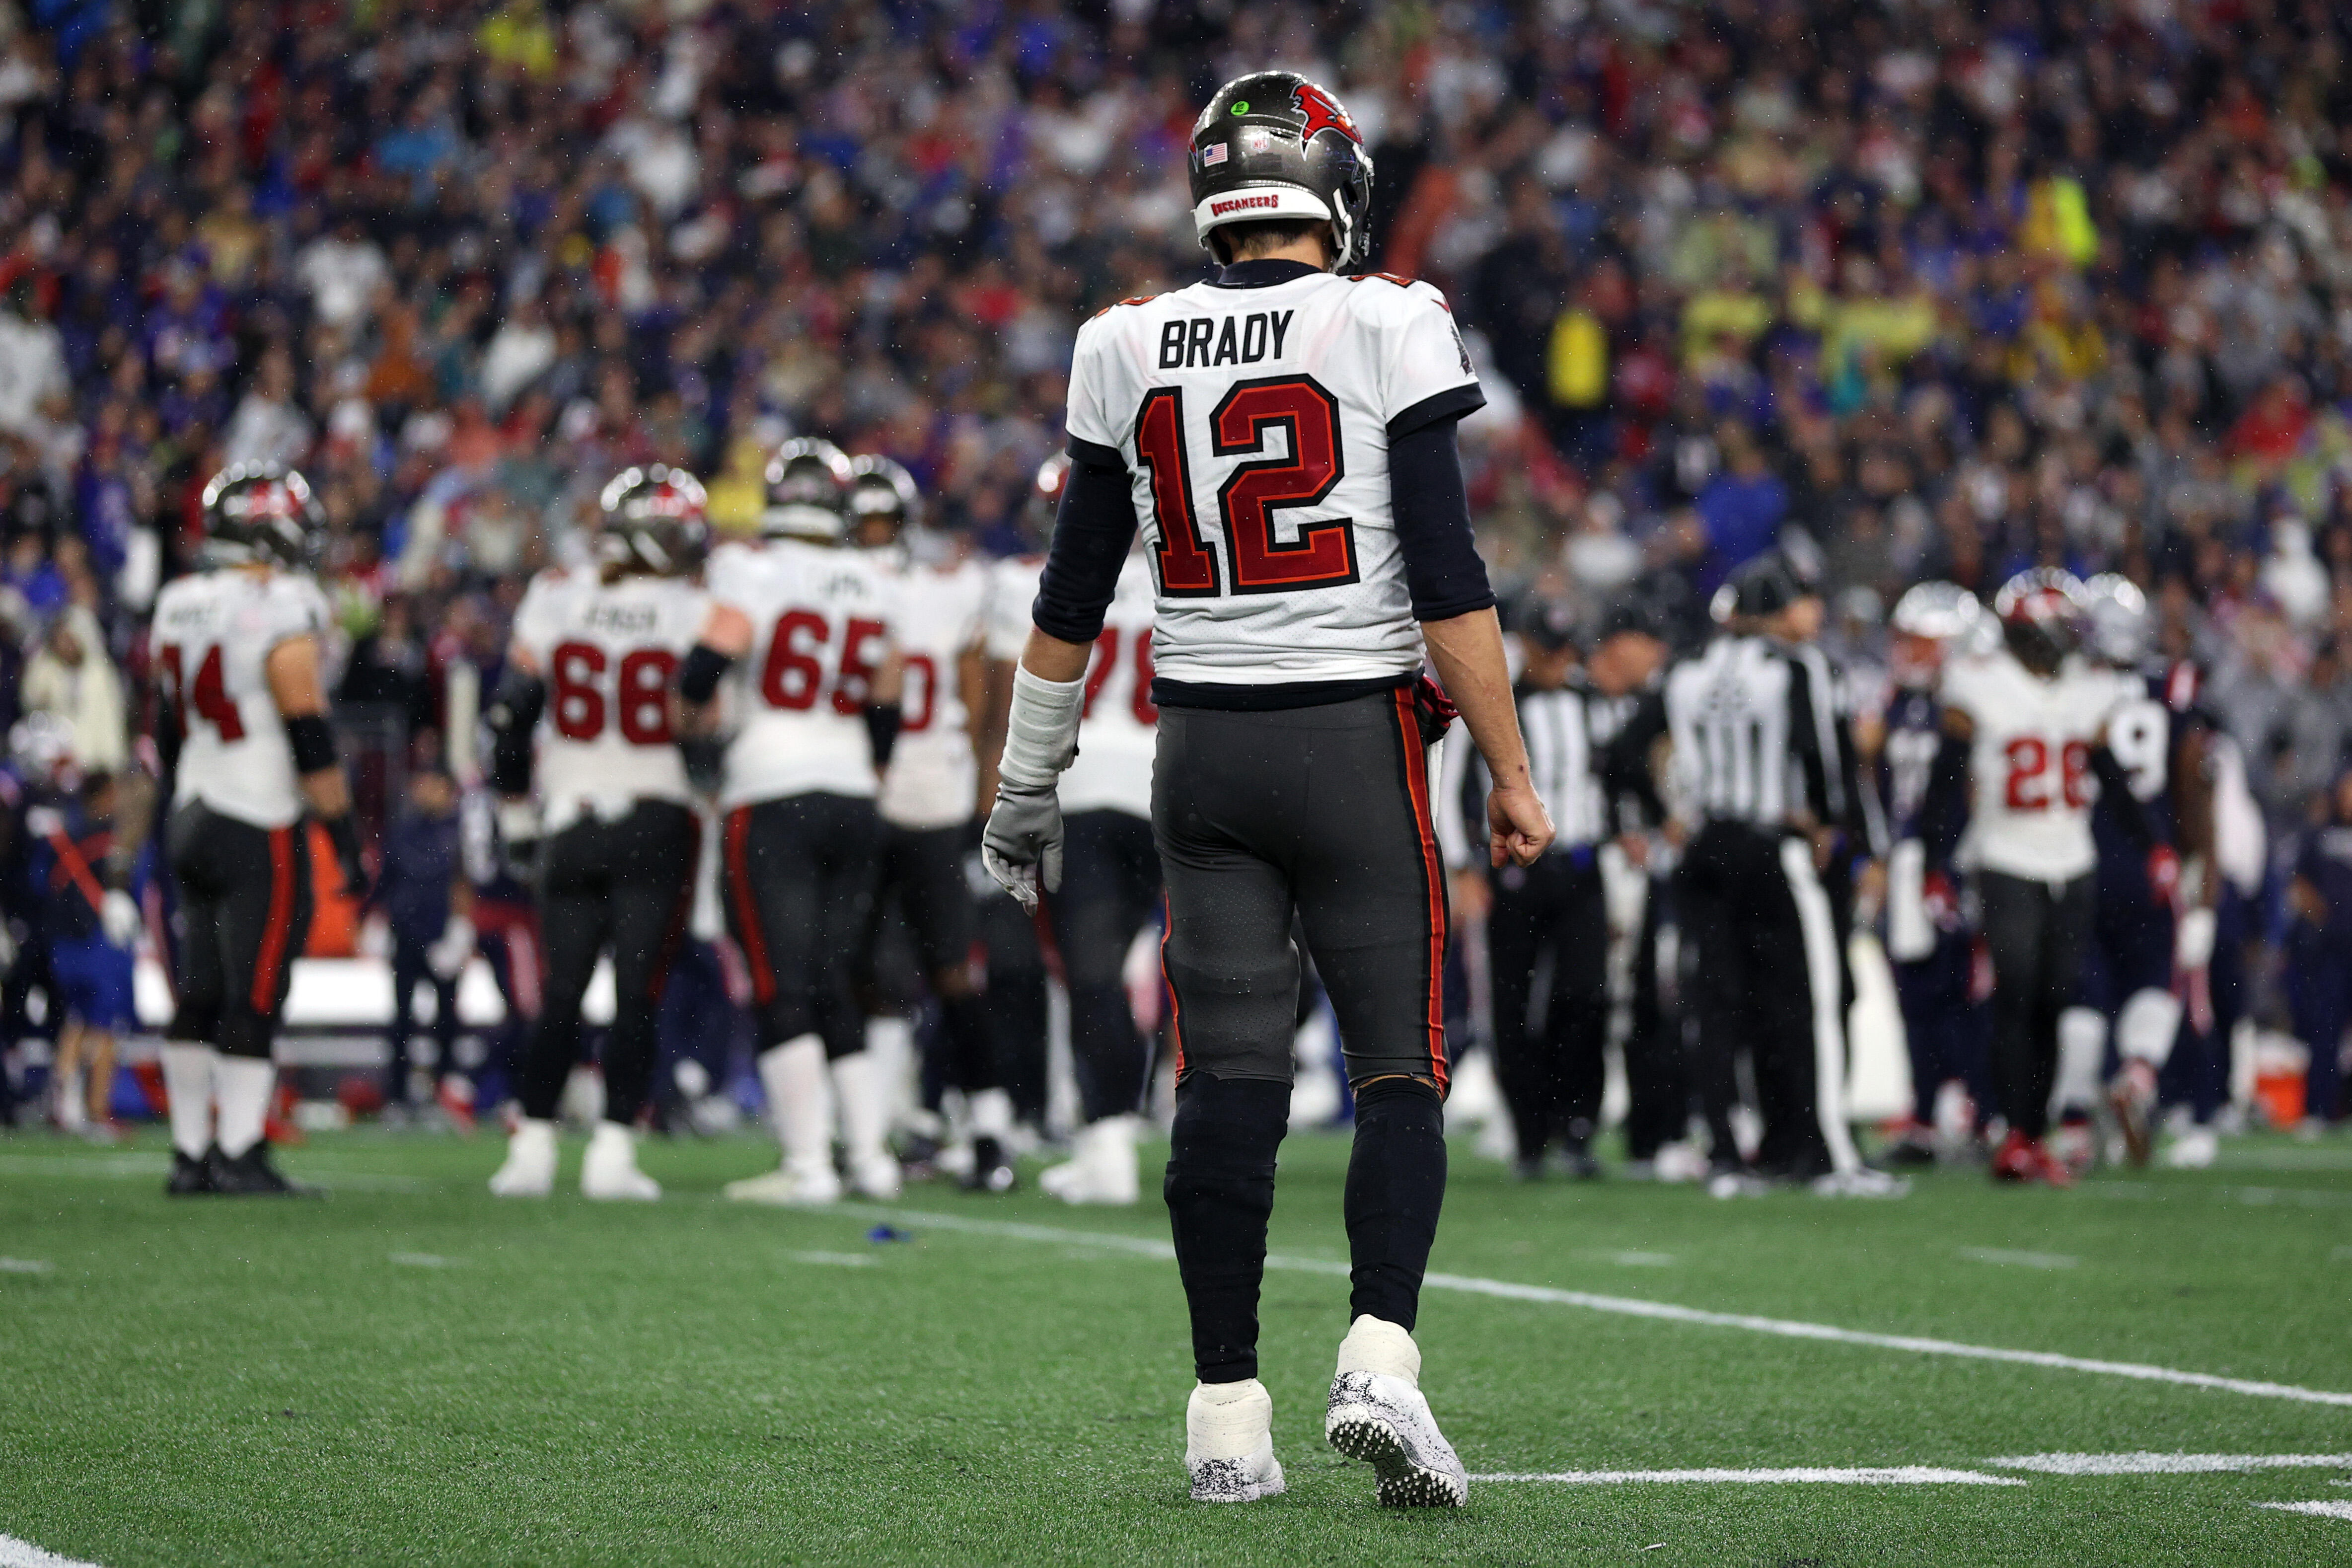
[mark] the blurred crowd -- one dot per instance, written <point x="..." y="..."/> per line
<point x="1955" y="288"/>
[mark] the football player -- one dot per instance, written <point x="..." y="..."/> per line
<point x="930" y="796"/>
<point x="2025" y="746"/>
<point x="805" y="627"/>
<point x="1929" y="946"/>
<point x="238" y="645"/>
<point x="583" y="716"/>
<point x="1285" y="434"/>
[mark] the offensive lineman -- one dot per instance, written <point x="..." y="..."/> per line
<point x="585" y="705"/>
<point x="2026" y="733"/>
<point x="245" y="738"/>
<point x="1285" y="435"/>
<point x="805" y="627"/>
<point x="930" y="794"/>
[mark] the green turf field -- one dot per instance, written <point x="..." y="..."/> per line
<point x="414" y="1373"/>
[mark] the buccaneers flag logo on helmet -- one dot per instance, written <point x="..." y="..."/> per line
<point x="1322" y="113"/>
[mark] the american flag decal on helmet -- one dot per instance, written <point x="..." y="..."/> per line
<point x="1212" y="154"/>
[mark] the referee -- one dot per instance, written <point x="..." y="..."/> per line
<point x="1759" y="784"/>
<point x="1547" y="923"/>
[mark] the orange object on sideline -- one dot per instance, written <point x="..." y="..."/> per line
<point x="2281" y="1096"/>
<point x="334" y="918"/>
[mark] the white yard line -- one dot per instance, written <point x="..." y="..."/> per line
<point x="2015" y="1259"/>
<point x="2329" y="1510"/>
<point x="1624" y="1306"/>
<point x="422" y="1260"/>
<point x="1868" y="1476"/>
<point x="25" y="1266"/>
<point x="2147" y="1464"/>
<point x="16" y="1553"/>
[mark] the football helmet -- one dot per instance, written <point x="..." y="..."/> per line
<point x="808" y="491"/>
<point x="1273" y="144"/>
<point x="655" y="519"/>
<point x="2118" y="613"/>
<point x="884" y="492"/>
<point x="260" y="513"/>
<point x="2040" y="611"/>
<point x="1932" y="620"/>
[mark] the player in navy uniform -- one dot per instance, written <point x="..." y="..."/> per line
<point x="1284" y="437"/>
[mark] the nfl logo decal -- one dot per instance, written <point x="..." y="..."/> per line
<point x="1255" y="138"/>
<point x="1214" y="153"/>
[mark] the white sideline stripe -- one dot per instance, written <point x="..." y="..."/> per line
<point x="16" y="1553"/>
<point x="2017" y="1260"/>
<point x="25" y="1266"/>
<point x="1869" y="1476"/>
<point x="2148" y="1464"/>
<point x="2329" y="1510"/>
<point x="1625" y="1306"/>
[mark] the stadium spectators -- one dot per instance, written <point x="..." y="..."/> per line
<point x="1959" y="288"/>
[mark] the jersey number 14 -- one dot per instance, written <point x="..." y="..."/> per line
<point x="207" y="698"/>
<point x="1324" y="553"/>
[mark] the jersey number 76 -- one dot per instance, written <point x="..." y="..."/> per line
<point x="1323" y="555"/>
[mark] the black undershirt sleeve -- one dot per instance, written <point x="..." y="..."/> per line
<point x="1443" y="570"/>
<point x="1092" y="532"/>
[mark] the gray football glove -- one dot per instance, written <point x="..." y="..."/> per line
<point x="1024" y="840"/>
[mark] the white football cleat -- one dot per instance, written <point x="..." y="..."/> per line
<point x="529" y="1168"/>
<point x="1101" y="1166"/>
<point x="1229" y="1442"/>
<point x="1862" y="1181"/>
<point x="791" y="1186"/>
<point x="2193" y="1149"/>
<point x="1377" y="1415"/>
<point x="875" y="1176"/>
<point x="609" y="1172"/>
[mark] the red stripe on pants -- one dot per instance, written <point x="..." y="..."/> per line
<point x="1416" y="784"/>
<point x="279" y="930"/>
<point x="747" y="908"/>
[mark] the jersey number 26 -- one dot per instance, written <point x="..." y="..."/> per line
<point x="1323" y="555"/>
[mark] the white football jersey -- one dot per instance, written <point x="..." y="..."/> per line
<point x="823" y="622"/>
<point x="1011" y="590"/>
<point x="609" y="655"/>
<point x="2030" y="764"/>
<point x="1119" y="730"/>
<point x="934" y="779"/>
<point x="1256" y="425"/>
<point x="213" y="633"/>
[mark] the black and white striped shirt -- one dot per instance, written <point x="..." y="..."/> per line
<point x="1748" y="718"/>
<point x="1568" y="730"/>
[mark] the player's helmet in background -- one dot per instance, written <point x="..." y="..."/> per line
<point x="1046" y="490"/>
<point x="1764" y="586"/>
<point x="1272" y="146"/>
<point x="260" y="513"/>
<point x="2118" y="613"/>
<point x="883" y="501"/>
<point x="1932" y="620"/>
<point x="2041" y="616"/>
<point x="655" y="519"/>
<point x="808" y="490"/>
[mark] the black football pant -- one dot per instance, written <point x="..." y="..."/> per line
<point x="2037" y="932"/>
<point x="1110" y="887"/>
<point x="1657" y="1081"/>
<point x="1750" y="985"/>
<point x="409" y="971"/>
<point x="922" y="877"/>
<point x="1550" y="922"/>
<point x="1014" y="1000"/>
<point x="797" y="879"/>
<point x="626" y="887"/>
<point x="1322" y="814"/>
<point x="245" y="913"/>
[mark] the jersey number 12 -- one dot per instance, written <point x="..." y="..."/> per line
<point x="1324" y="553"/>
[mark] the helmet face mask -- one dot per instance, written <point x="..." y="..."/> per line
<point x="807" y="496"/>
<point x="656" y="521"/>
<point x="2042" y="616"/>
<point x="1274" y="147"/>
<point x="259" y="514"/>
<point x="882" y="502"/>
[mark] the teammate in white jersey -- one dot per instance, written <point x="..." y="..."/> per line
<point x="586" y="697"/>
<point x="929" y="795"/>
<point x="801" y="635"/>
<point x="2026" y="732"/>
<point x="1284" y="434"/>
<point x="246" y="742"/>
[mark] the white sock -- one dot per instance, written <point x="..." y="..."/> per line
<point x="188" y="1084"/>
<point x="864" y="1093"/>
<point x="1375" y="1344"/>
<point x="2082" y="1047"/>
<point x="992" y="1113"/>
<point x="800" y="1100"/>
<point x="1227" y="1420"/>
<point x="243" y="1084"/>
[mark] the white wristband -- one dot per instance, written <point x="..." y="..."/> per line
<point x="1041" y="733"/>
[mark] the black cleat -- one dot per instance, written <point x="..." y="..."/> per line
<point x="992" y="1169"/>
<point x="252" y="1174"/>
<point x="1581" y="1162"/>
<point x="191" y="1177"/>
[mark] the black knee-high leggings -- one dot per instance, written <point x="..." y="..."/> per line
<point x="2036" y="931"/>
<point x="626" y="885"/>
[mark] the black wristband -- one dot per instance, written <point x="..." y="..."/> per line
<point x="313" y="742"/>
<point x="697" y="678"/>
